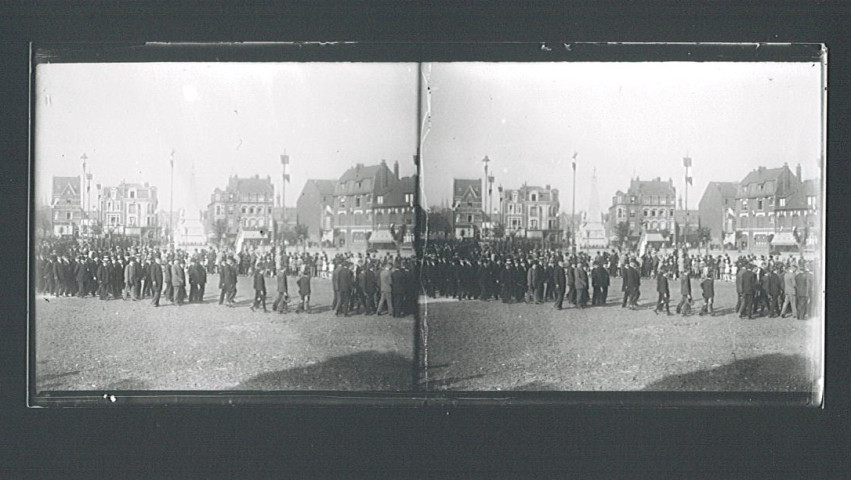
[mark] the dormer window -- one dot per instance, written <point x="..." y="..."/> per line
<point x="379" y="199"/>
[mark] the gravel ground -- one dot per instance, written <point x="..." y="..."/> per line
<point x="476" y="345"/>
<point x="88" y="344"/>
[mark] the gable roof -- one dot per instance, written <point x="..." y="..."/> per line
<point x="61" y="184"/>
<point x="651" y="187"/>
<point x="251" y="185"/>
<point x="395" y="194"/>
<point x="727" y="189"/>
<point x="325" y="187"/>
<point x="762" y="174"/>
<point x="359" y="172"/>
<point x="461" y="186"/>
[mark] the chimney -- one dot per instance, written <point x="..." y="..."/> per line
<point x="798" y="173"/>
<point x="256" y="176"/>
<point x="396" y="169"/>
<point x="547" y="186"/>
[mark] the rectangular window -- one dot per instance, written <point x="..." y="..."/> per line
<point x="469" y="219"/>
<point x="379" y="199"/>
<point x="759" y="204"/>
<point x="357" y="201"/>
<point x="67" y="215"/>
<point x="409" y="198"/>
<point x="782" y="202"/>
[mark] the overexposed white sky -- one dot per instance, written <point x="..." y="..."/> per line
<point x="623" y="119"/>
<point x="220" y="119"/>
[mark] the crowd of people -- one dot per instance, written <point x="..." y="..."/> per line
<point x="362" y="283"/>
<point x="766" y="285"/>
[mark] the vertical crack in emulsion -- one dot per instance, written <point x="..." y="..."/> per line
<point x="424" y="127"/>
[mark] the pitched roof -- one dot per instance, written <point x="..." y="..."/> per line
<point x="250" y="185"/>
<point x="762" y="174"/>
<point x="651" y="187"/>
<point x="395" y="194"/>
<point x="61" y="183"/>
<point x="462" y="185"/>
<point x="359" y="172"/>
<point x="325" y="187"/>
<point x="727" y="189"/>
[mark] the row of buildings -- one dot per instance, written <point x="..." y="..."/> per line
<point x="769" y="209"/>
<point x="357" y="210"/>
<point x="128" y="209"/>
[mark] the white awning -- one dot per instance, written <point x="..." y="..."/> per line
<point x="253" y="235"/>
<point x="654" y="237"/>
<point x="784" y="239"/>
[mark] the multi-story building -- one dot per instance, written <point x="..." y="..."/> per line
<point x="394" y="205"/>
<point x="646" y="207"/>
<point x="314" y="209"/>
<point x="716" y="211"/>
<point x="797" y="218"/>
<point x="758" y="197"/>
<point x="354" y="196"/>
<point x="467" y="207"/>
<point x="66" y="205"/>
<point x="129" y="209"/>
<point x="243" y="209"/>
<point x="532" y="212"/>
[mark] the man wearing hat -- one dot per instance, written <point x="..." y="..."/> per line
<point x="600" y="282"/>
<point x="748" y="291"/>
<point x="156" y="280"/>
<point x="345" y="282"/>
<point x="385" y="283"/>
<point x="631" y="285"/>
<point x="104" y="280"/>
<point x="559" y="281"/>
<point x="178" y="279"/>
<point x="790" y="291"/>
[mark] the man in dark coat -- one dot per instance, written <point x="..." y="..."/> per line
<point x="280" y="304"/>
<point x="367" y="287"/>
<point x="664" y="292"/>
<point x="303" y="283"/>
<point x="178" y="279"/>
<point x="104" y="279"/>
<point x="345" y="280"/>
<point x="631" y="285"/>
<point x="775" y="292"/>
<point x="570" y="273"/>
<point x="335" y="284"/>
<point x="397" y="278"/>
<point x="803" y="283"/>
<point x="197" y="282"/>
<point x="156" y="281"/>
<point x="739" y="274"/>
<point x="600" y="283"/>
<point x="146" y="278"/>
<point x="169" y="287"/>
<point x="560" y="283"/>
<point x="117" y="278"/>
<point x="748" y="292"/>
<point x="506" y="280"/>
<point x="581" y="285"/>
<point x="259" y="289"/>
<point x="707" y="286"/>
<point x="684" y="306"/>
<point x="81" y="274"/>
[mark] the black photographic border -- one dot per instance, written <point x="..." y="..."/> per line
<point x="434" y="440"/>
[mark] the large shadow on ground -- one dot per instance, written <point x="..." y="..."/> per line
<point x="362" y="371"/>
<point x="769" y="373"/>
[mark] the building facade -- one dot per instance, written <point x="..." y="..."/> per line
<point x="243" y="209"/>
<point x="467" y="207"/>
<point x="716" y="211"/>
<point x="314" y="209"/>
<point x="393" y="206"/>
<point x="66" y="206"/>
<point x="129" y="209"/>
<point x="646" y="207"/>
<point x="797" y="218"/>
<point x="759" y="196"/>
<point x="354" y="196"/>
<point x="532" y="212"/>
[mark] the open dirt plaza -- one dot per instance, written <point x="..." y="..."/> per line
<point x="478" y="345"/>
<point x="88" y="344"/>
